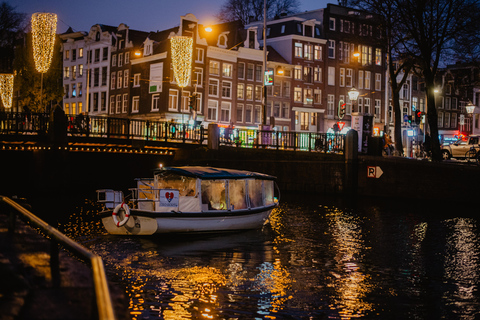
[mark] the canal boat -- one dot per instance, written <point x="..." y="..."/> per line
<point x="190" y="199"/>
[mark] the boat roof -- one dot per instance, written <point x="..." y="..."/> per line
<point x="211" y="173"/>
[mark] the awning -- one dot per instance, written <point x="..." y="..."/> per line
<point x="304" y="109"/>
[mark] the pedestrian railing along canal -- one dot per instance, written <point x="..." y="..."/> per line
<point x="102" y="293"/>
<point x="168" y="131"/>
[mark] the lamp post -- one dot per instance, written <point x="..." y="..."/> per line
<point x="353" y="96"/>
<point x="470" y="107"/>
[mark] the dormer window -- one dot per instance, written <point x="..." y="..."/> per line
<point x="331" y="24"/>
<point x="222" y="41"/>
<point x="283" y="29"/>
<point x="97" y="36"/>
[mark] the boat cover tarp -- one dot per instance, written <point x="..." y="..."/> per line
<point x="211" y="173"/>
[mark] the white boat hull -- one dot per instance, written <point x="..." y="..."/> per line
<point x="139" y="224"/>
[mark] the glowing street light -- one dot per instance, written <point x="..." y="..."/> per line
<point x="353" y="96"/>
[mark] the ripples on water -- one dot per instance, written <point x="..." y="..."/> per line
<point x="313" y="261"/>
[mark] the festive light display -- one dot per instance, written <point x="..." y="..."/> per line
<point x="182" y="48"/>
<point x="6" y="89"/>
<point x="44" y="26"/>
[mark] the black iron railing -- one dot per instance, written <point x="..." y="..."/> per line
<point x="122" y="128"/>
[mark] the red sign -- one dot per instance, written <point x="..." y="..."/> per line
<point x="340" y="125"/>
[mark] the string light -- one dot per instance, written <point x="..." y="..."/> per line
<point x="44" y="26"/>
<point x="182" y="48"/>
<point x="6" y="89"/>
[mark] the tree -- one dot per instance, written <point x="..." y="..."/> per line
<point x="398" y="64"/>
<point x="252" y="10"/>
<point x="437" y="29"/>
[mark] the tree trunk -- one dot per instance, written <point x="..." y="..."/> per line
<point x="432" y="116"/>
<point x="398" y="121"/>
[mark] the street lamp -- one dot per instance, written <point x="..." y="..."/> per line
<point x="470" y="110"/>
<point x="353" y="96"/>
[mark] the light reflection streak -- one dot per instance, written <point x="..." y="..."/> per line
<point x="461" y="266"/>
<point x="349" y="282"/>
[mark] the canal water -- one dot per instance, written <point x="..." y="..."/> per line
<point x="316" y="259"/>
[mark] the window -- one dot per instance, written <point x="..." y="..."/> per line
<point x="74" y="90"/>
<point x="308" y="54"/>
<point x="285" y="110"/>
<point x="440" y="120"/>
<point x="308" y="96"/>
<point x="360" y="105"/>
<point x="135" y="104"/>
<point x="331" y="105"/>
<point x="286" y="89"/>
<point x="297" y="94"/>
<point x="67" y="108"/>
<point x="120" y="59"/>
<point x="80" y="89"/>
<point x="226" y="89"/>
<point x="282" y="29"/>
<point x="105" y="54"/>
<point x="80" y="70"/>
<point x="240" y="91"/>
<point x="241" y="70"/>
<point x="367" y="79"/>
<point x="67" y="89"/>
<point x="258" y="73"/>
<point x="114" y="60"/>
<point x="454" y="104"/>
<point x="198" y="77"/>
<point x="119" y="79"/>
<point x="119" y="103"/>
<point x="317" y="52"/>
<point x="96" y="77"/>
<point x="258" y="114"/>
<point x="125" y="103"/>
<point x="239" y="113"/>
<point x="331" y="76"/>
<point x="156" y="101"/>
<point x="342" y="77"/>
<point x="276" y="109"/>
<point x="74" y="72"/>
<point x="360" y="79"/>
<point x="67" y="54"/>
<point x="447" y="120"/>
<point x="200" y="55"/>
<point x="66" y="72"/>
<point x="331" y="49"/>
<point x="366" y="56"/>
<point x="378" y="114"/>
<point x="80" y="52"/>
<point x="248" y="113"/>
<point x="112" y="104"/>
<point x="348" y="78"/>
<point x="258" y="93"/>
<point x="103" y="101"/>
<point x="304" y="120"/>
<point x="317" y="96"/>
<point x="212" y="110"/>
<point x="127" y="57"/>
<point x="184" y="102"/>
<point x="378" y="81"/>
<point x="214" y="68"/>
<point x="448" y="104"/>
<point x="453" y="123"/>
<point x="225" y="112"/>
<point x="331" y="24"/>
<point x="97" y="55"/>
<point x="136" y="80"/>
<point x="126" y="78"/>
<point x="113" y="80"/>
<point x="367" y="105"/>
<point x="227" y="70"/>
<point x="298" y="50"/>
<point x="378" y="56"/>
<point x="249" y="92"/>
<point x="250" y="69"/>
<point x="297" y="73"/>
<point x="213" y="87"/>
<point x="308" y="74"/>
<point x="173" y="100"/>
<point x="317" y="74"/>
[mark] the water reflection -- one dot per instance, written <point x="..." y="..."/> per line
<point x="312" y="261"/>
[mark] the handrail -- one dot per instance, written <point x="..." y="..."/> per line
<point x="102" y="293"/>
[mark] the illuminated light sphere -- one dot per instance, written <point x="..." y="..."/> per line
<point x="182" y="48"/>
<point x="44" y="26"/>
<point x="6" y="89"/>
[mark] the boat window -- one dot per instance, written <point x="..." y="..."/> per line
<point x="185" y="185"/>
<point x="213" y="194"/>
<point x="237" y="193"/>
<point x="255" y="193"/>
<point x="269" y="192"/>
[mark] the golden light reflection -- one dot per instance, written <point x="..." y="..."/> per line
<point x="462" y="265"/>
<point x="348" y="280"/>
<point x="274" y="281"/>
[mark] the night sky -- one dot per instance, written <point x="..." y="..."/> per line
<point x="144" y="15"/>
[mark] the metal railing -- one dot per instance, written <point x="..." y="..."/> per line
<point x="285" y="140"/>
<point x="102" y="293"/>
<point x="150" y="130"/>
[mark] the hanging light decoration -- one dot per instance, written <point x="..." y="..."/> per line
<point x="182" y="48"/>
<point x="6" y="89"/>
<point x="44" y="26"/>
